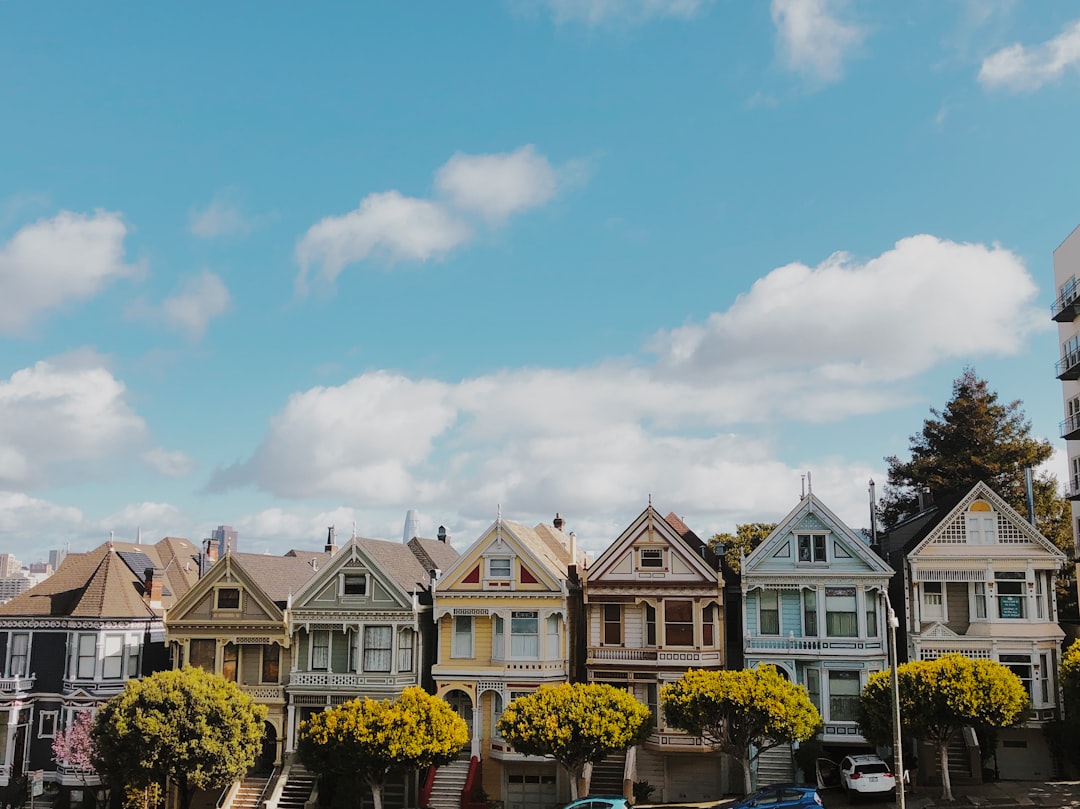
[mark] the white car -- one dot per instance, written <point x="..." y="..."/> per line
<point x="866" y="775"/>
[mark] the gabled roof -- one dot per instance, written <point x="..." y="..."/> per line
<point x="671" y="530"/>
<point x="105" y="582"/>
<point x="400" y="561"/>
<point x="232" y="567"/>
<point x="433" y="554"/>
<point x="924" y="526"/>
<point x="545" y="546"/>
<point x="807" y="505"/>
<point x="281" y="576"/>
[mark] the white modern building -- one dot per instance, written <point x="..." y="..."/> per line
<point x="1066" y="312"/>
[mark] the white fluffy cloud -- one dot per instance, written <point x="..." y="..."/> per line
<point x="813" y="39"/>
<point x="223" y="216"/>
<point x="1018" y="68"/>
<point x="64" y="420"/>
<point x="803" y="344"/>
<point x="395" y="227"/>
<point x="23" y="515"/>
<point x="198" y="300"/>
<point x="598" y="12"/>
<point x="55" y="262"/>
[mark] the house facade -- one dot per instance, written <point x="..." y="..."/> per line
<point x="233" y="623"/>
<point x="977" y="579"/>
<point x="1065" y="311"/>
<point x="73" y="641"/>
<point x="506" y="611"/>
<point x="654" y="608"/>
<point x="814" y="608"/>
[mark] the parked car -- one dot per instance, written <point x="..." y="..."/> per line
<point x="782" y="796"/>
<point x="866" y="775"/>
<point x="599" y="802"/>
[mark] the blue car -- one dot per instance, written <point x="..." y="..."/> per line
<point x="782" y="796"/>
<point x="600" y="802"/>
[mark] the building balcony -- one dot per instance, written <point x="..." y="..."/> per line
<point x="1068" y="367"/>
<point x="1070" y="428"/>
<point x="268" y="694"/>
<point x="345" y="681"/>
<point x="621" y="654"/>
<point x="1066" y="306"/>
<point x="675" y="740"/>
<point x="816" y="646"/>
<point x="17" y="685"/>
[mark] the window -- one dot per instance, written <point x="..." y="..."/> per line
<point x="979" y="589"/>
<point x="811" y="547"/>
<point x="707" y="627"/>
<point x="524" y="634"/>
<point x="354" y="650"/>
<point x="496" y="713"/>
<point x="981" y="524"/>
<point x="228" y="598"/>
<point x="201" y="653"/>
<point x="1020" y="665"/>
<point x="933" y="601"/>
<point x="462" y="645"/>
<point x="1010" y="595"/>
<point x="678" y="623"/>
<point x="1040" y="601"/>
<point x="354" y="584"/>
<point x="405" y="650"/>
<point x="612" y="624"/>
<point x="378" y="648"/>
<point x="769" y="612"/>
<point x="652" y="558"/>
<point x="271" y="663"/>
<point x="498" y="642"/>
<point x="844" y="690"/>
<point x="87" y="657"/>
<point x="230" y="657"/>
<point x="813" y="686"/>
<point x="553" y="636"/>
<point x="133" y="670"/>
<point x="113" y="665"/>
<point x="871" y="614"/>
<point x="650" y="625"/>
<point x="1044" y="678"/>
<point x="20" y="648"/>
<point x="499" y="568"/>
<point x="809" y="613"/>
<point x="652" y="702"/>
<point x="47" y="724"/>
<point x="320" y="650"/>
<point x="841" y="614"/>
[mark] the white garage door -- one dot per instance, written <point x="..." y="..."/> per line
<point x="531" y="787"/>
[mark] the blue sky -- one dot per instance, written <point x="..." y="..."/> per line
<point x="284" y="267"/>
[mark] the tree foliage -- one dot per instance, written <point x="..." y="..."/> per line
<point x="367" y="739"/>
<point x="74" y="747"/>
<point x="188" y="726"/>
<point x="734" y="710"/>
<point x="974" y="438"/>
<point x="937" y="698"/>
<point x="735" y="546"/>
<point x="574" y="724"/>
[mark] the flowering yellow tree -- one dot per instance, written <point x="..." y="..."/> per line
<point x="574" y="724"/>
<point x="937" y="698"/>
<point x="734" y="710"/>
<point x="366" y="738"/>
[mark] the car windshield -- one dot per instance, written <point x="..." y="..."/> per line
<point x="871" y="769"/>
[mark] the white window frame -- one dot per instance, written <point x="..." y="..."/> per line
<point x="406" y="650"/>
<point x="933" y="609"/>
<point x="343" y="580"/>
<point x="23" y="657"/>
<point x="239" y="598"/>
<point x="83" y="656"/>
<point x="315" y="633"/>
<point x="113" y="656"/>
<point x="774" y="594"/>
<point x="375" y="654"/>
<point x="815" y="543"/>
<point x="462" y="636"/>
<point x="505" y="570"/>
<point x="524" y="645"/>
<point x="651" y="554"/>
<point x="53" y="718"/>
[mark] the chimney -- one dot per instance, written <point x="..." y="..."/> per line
<point x="558" y="522"/>
<point x="573" y="548"/>
<point x="926" y="498"/>
<point x="153" y="585"/>
<point x="443" y="536"/>
<point x="330" y="546"/>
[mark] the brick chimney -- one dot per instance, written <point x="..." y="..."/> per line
<point x="153" y="584"/>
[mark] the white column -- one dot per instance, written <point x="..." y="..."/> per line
<point x="478" y="727"/>
<point x="290" y="728"/>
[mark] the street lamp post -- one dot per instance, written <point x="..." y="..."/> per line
<point x="898" y="753"/>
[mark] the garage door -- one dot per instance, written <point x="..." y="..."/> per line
<point x="531" y="787"/>
<point x="693" y="777"/>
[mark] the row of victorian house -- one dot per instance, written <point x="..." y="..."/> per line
<point x="518" y="609"/>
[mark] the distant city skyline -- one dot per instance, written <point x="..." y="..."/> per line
<point x="284" y="268"/>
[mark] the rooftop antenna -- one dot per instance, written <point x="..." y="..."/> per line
<point x="803" y="478"/>
<point x="354" y="529"/>
<point x="138" y="535"/>
<point x="809" y="484"/>
<point x="873" y="514"/>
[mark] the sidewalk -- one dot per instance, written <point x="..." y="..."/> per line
<point x="998" y="795"/>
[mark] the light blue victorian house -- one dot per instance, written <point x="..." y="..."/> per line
<point x="813" y="607"/>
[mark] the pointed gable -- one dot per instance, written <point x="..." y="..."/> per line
<point x="655" y="548"/>
<point x="231" y="591"/>
<point x="509" y="556"/>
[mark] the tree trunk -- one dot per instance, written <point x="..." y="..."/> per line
<point x="183" y="793"/>
<point x="376" y="794"/>
<point x="575" y="778"/>
<point x="943" y="763"/>
<point x="748" y="785"/>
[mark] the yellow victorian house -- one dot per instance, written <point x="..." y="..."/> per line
<point x="507" y="613"/>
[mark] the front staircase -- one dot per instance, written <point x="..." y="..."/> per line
<point x="449" y="781"/>
<point x="775" y="766"/>
<point x="297" y="788"/>
<point x="607" y="776"/>
<point x="250" y="793"/>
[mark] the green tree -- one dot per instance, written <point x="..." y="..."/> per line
<point x="974" y="438"/>
<point x="366" y="739"/>
<point x="188" y="726"/>
<point x="574" y="724"/>
<point x="937" y="698"/>
<point x="735" y="546"/>
<point x="734" y="710"/>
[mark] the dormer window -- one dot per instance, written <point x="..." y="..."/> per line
<point x="981" y="524"/>
<point x="651" y="558"/>
<point x="228" y="598"/>
<point x="499" y="568"/>
<point x="354" y="584"/>
<point x="811" y="547"/>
